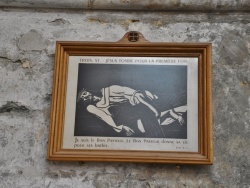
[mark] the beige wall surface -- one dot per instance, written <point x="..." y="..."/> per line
<point x="27" y="50"/>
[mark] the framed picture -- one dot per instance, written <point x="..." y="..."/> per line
<point x="132" y="101"/>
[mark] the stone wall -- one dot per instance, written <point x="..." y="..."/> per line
<point x="145" y="5"/>
<point x="27" y="49"/>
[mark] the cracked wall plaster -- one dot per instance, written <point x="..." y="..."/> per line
<point x="27" y="48"/>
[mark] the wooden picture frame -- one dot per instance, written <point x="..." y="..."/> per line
<point x="77" y="131"/>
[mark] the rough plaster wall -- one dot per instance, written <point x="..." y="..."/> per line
<point x="27" y="47"/>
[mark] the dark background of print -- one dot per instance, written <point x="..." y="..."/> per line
<point x="168" y="82"/>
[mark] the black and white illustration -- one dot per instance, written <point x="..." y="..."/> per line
<point x="131" y="100"/>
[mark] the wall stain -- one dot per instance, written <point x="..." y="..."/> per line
<point x="244" y="84"/>
<point x="126" y="23"/>
<point x="11" y="106"/>
<point x="59" y="21"/>
<point x="26" y="64"/>
<point x="91" y="4"/>
<point x="95" y="20"/>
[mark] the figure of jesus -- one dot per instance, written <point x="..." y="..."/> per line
<point x="115" y="95"/>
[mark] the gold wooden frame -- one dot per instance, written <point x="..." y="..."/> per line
<point x="141" y="48"/>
